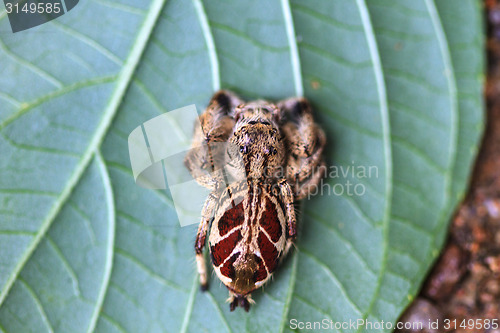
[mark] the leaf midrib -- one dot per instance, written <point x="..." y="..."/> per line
<point x="123" y="82"/>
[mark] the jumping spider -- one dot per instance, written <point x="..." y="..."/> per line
<point x="252" y="220"/>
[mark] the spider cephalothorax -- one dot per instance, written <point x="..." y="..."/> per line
<point x="272" y="154"/>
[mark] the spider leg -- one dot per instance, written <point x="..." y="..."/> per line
<point x="206" y="216"/>
<point x="288" y="199"/>
<point x="207" y="148"/>
<point x="303" y="189"/>
<point x="305" y="143"/>
<point x="312" y="161"/>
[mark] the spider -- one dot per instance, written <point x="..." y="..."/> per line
<point x="251" y="221"/>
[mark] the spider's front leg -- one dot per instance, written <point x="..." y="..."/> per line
<point x="205" y="161"/>
<point x="306" y="141"/>
<point x="201" y="236"/>
<point x="207" y="148"/>
<point x="288" y="200"/>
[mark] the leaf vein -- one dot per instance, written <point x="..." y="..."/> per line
<point x="66" y="265"/>
<point x="26" y="107"/>
<point x="419" y="153"/>
<point x="189" y="305"/>
<point x="247" y="38"/>
<point x="35" y="69"/>
<point x="346" y="242"/>
<point x="209" y="40"/>
<point x="219" y="312"/>
<point x="334" y="279"/>
<point x="110" y="203"/>
<point x="335" y="58"/>
<point x="326" y="19"/>
<point x="148" y="271"/>
<point x="37" y="303"/>
<point x="384" y="112"/>
<point x="122" y="7"/>
<point x="113" y="322"/>
<point x="89" y="41"/>
<point x="294" y="52"/>
<point x="46" y="150"/>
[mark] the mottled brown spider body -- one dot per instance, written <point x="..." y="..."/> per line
<point x="252" y="220"/>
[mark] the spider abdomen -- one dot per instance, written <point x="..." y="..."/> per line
<point x="247" y="240"/>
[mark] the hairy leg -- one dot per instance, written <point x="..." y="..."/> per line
<point x="288" y="199"/>
<point x="208" y="144"/>
<point x="311" y="184"/>
<point x="206" y="216"/>
<point x="306" y="141"/>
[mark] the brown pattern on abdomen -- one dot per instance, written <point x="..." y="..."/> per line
<point x="228" y="268"/>
<point x="232" y="218"/>
<point x="269" y="221"/>
<point x="221" y="250"/>
<point x="261" y="273"/>
<point x="268" y="251"/>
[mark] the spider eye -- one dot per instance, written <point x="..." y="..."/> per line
<point x="244" y="149"/>
<point x="273" y="151"/>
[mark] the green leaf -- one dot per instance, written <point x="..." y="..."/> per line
<point x="396" y="86"/>
<point x="56" y="290"/>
